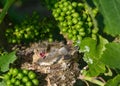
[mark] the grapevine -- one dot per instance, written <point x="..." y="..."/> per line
<point x="74" y="20"/>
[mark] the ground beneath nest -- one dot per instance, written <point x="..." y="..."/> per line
<point x="56" y="63"/>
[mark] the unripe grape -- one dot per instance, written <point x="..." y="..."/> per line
<point x="70" y="36"/>
<point x="90" y="24"/>
<point x="17" y="82"/>
<point x="15" y="72"/>
<point x="8" y="82"/>
<point x="79" y="37"/>
<point x="50" y="40"/>
<point x="82" y="34"/>
<point x="25" y="79"/>
<point x="35" y="82"/>
<point x="74" y="38"/>
<point x="74" y="4"/>
<point x="74" y="32"/>
<point x="61" y="18"/>
<point x="61" y="6"/>
<point x="65" y="9"/>
<point x="24" y="71"/>
<point x="68" y="17"/>
<point x="75" y="20"/>
<point x="56" y="15"/>
<point x="62" y="13"/>
<point x="77" y="26"/>
<point x="80" y="4"/>
<point x="31" y="75"/>
<point x="56" y="5"/>
<point x="13" y="80"/>
<point x="28" y="83"/>
<point x="64" y="24"/>
<point x="76" y="15"/>
<point x="68" y="12"/>
<point x="58" y="10"/>
<point x="95" y="30"/>
<point x="70" y="23"/>
<point x="20" y="75"/>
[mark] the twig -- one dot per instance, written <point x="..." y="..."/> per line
<point x="86" y="82"/>
<point x="5" y="9"/>
<point x="1" y="77"/>
<point x="91" y="79"/>
<point x="100" y="78"/>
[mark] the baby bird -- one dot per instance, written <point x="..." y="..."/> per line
<point x="54" y="56"/>
<point x="52" y="53"/>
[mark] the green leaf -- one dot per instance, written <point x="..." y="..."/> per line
<point x="5" y="9"/>
<point x="113" y="82"/>
<point x="111" y="56"/>
<point x="92" y="53"/>
<point x="6" y="60"/>
<point x="2" y="83"/>
<point x="111" y="14"/>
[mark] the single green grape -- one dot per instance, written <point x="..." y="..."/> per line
<point x="75" y="14"/>
<point x="20" y="75"/>
<point x="66" y="4"/>
<point x="50" y="40"/>
<point x="75" y="20"/>
<point x="15" y="72"/>
<point x="8" y="82"/>
<point x="31" y="75"/>
<point x="24" y="71"/>
<point x="17" y="82"/>
<point x="28" y="83"/>
<point x="25" y="79"/>
<point x="13" y="80"/>
<point x="70" y="7"/>
<point x="35" y="82"/>
<point x="74" y="4"/>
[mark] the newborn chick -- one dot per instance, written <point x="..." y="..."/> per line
<point x="54" y="56"/>
<point x="51" y="53"/>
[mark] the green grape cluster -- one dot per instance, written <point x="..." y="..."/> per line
<point x="74" y="20"/>
<point x="32" y="29"/>
<point x="20" y="77"/>
<point x="26" y="31"/>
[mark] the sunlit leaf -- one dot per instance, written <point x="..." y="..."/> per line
<point x="2" y="83"/>
<point x="93" y="50"/>
<point x="111" y="56"/>
<point x="110" y="10"/>
<point x="6" y="60"/>
<point x="114" y="82"/>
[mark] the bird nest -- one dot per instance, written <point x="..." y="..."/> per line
<point x="55" y="63"/>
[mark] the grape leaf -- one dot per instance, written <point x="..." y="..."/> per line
<point x="113" y="82"/>
<point x="111" y="14"/>
<point x="92" y="53"/>
<point x="111" y="56"/>
<point x="6" y="60"/>
<point x="2" y="83"/>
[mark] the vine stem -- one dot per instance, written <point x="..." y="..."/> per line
<point x="1" y="77"/>
<point x="5" y="9"/>
<point x="89" y="9"/>
<point x="91" y="79"/>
